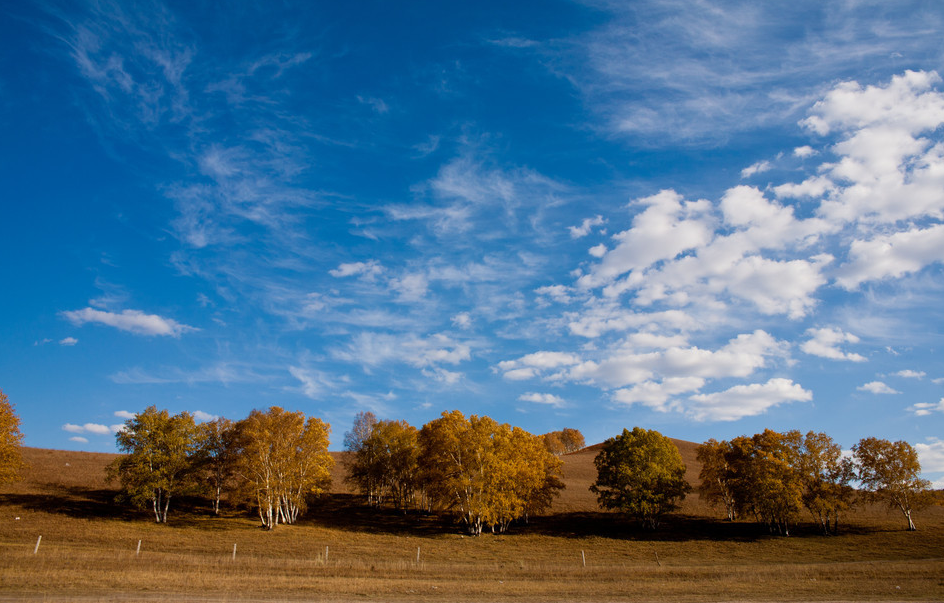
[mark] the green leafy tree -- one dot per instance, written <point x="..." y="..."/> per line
<point x="640" y="473"/>
<point x="890" y="472"/>
<point x="159" y="463"/>
<point x="11" y="460"/>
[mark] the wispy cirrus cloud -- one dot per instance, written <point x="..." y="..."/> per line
<point x="132" y="321"/>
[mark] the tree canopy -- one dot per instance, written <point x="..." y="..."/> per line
<point x="159" y="463"/>
<point x="11" y="461"/>
<point x="890" y="471"/>
<point x="640" y="473"/>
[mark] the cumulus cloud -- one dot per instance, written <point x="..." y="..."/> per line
<point x="68" y="341"/>
<point x="545" y="399"/>
<point x="825" y="343"/>
<point x="910" y="374"/>
<point x="892" y="256"/>
<point x="79" y="439"/>
<point x="132" y="321"/>
<point x="923" y="409"/>
<point x="746" y="400"/>
<point x="533" y="364"/>
<point x="124" y="414"/>
<point x="92" y="428"/>
<point x="931" y="455"/>
<point x="877" y="387"/>
<point x="585" y="227"/>
<point x="740" y="357"/>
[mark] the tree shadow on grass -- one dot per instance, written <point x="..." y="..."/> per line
<point x="349" y="512"/>
<point x="73" y="501"/>
<point x="672" y="528"/>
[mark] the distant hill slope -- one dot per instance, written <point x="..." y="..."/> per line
<point x="60" y="468"/>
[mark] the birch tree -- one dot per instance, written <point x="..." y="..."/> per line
<point x="160" y="457"/>
<point x="826" y="476"/>
<point x="284" y="459"/>
<point x="890" y="472"/>
<point x="218" y="457"/>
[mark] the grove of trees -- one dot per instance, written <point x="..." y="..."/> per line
<point x="484" y="473"/>
<point x="773" y="476"/>
<point x="273" y="459"/>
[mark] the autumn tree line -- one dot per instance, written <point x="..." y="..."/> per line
<point x="486" y="474"/>
<point x="489" y="475"/>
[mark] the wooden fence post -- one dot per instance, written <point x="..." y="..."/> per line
<point x="138" y="552"/>
<point x="583" y="558"/>
<point x="234" y="551"/>
<point x="38" y="540"/>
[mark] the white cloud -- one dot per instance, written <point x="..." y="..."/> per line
<point x="740" y="357"/>
<point x="667" y="227"/>
<point x="756" y="168"/>
<point x="923" y="409"/>
<point x="746" y="400"/>
<point x="911" y="374"/>
<point x="367" y="269"/>
<point x="315" y="384"/>
<point x="133" y="321"/>
<point x="79" y="439"/>
<point x="892" y="255"/>
<point x="93" y="428"/>
<point x="411" y="287"/>
<point x="68" y="341"/>
<point x="659" y="395"/>
<point x="877" y="387"/>
<point x="585" y="227"/>
<point x="124" y="414"/>
<point x="462" y="320"/>
<point x="203" y="417"/>
<point x="825" y="343"/>
<point x="546" y="399"/>
<point x="804" y="152"/>
<point x="931" y="455"/>
<point x="375" y="349"/>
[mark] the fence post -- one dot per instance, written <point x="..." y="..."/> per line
<point x="417" y="555"/>
<point x="326" y="554"/>
<point x="583" y="558"/>
<point x="234" y="551"/>
<point x="38" y="540"/>
<point x="138" y="552"/>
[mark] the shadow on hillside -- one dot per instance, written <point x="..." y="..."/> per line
<point x="73" y="501"/>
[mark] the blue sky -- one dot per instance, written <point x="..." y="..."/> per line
<point x="706" y="218"/>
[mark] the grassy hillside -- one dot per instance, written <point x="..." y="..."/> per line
<point x="343" y="551"/>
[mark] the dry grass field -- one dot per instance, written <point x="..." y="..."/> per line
<point x="342" y="551"/>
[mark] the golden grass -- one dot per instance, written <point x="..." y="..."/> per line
<point x="88" y="552"/>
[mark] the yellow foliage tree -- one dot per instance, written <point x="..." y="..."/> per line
<point x="11" y="461"/>
<point x="160" y="458"/>
<point x="284" y="459"/>
<point x="890" y="471"/>
<point x="488" y="474"/>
